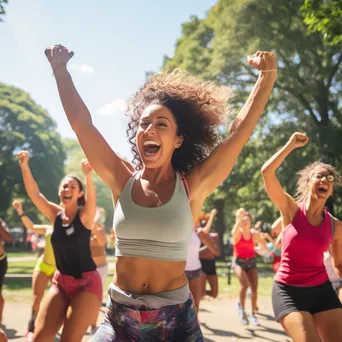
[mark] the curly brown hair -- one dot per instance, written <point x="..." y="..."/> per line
<point x="198" y="108"/>
<point x="302" y="191"/>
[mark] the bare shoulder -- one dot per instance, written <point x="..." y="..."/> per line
<point x="338" y="228"/>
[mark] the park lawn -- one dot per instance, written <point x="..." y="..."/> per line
<point x="21" y="267"/>
<point x="19" y="289"/>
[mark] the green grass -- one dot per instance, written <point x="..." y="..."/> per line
<point x="21" y="267"/>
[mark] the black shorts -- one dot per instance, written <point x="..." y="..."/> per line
<point x="208" y="267"/>
<point x="312" y="299"/>
<point x="3" y="269"/>
<point x="245" y="264"/>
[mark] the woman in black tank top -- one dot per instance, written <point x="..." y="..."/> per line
<point x="76" y="282"/>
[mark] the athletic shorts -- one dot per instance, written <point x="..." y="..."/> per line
<point x="311" y="299"/>
<point x="3" y="269"/>
<point x="173" y="323"/>
<point x="192" y="275"/>
<point x="244" y="263"/>
<point x="208" y="266"/>
<point x="41" y="266"/>
<point x="68" y="286"/>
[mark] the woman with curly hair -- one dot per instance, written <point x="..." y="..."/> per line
<point x="179" y="162"/>
<point x="45" y="266"/>
<point x="304" y="301"/>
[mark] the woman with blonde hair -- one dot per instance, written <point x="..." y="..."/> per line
<point x="304" y="301"/>
<point x="44" y="269"/>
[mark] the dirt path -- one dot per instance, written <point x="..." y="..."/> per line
<point x="218" y="320"/>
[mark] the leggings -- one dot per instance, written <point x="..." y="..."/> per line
<point x="170" y="323"/>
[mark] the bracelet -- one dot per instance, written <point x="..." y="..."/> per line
<point x="268" y="70"/>
<point x="21" y="215"/>
<point x="53" y="70"/>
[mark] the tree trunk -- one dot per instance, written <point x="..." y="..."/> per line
<point x="220" y="225"/>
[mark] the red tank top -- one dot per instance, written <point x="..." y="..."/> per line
<point x="303" y="246"/>
<point x="244" y="248"/>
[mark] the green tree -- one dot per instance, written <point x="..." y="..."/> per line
<point x="75" y="155"/>
<point x="2" y="8"/>
<point x="25" y="125"/>
<point x="307" y="94"/>
<point x="324" y="17"/>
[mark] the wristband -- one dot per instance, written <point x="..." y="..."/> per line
<point x="21" y="215"/>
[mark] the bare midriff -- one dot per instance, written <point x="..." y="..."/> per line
<point x="148" y="276"/>
<point x="2" y="251"/>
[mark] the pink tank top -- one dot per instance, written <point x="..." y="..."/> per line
<point x="303" y="246"/>
<point x="244" y="248"/>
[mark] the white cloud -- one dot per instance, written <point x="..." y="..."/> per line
<point x="83" y="68"/>
<point x="113" y="108"/>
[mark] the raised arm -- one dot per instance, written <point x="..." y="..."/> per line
<point x="337" y="248"/>
<point x="105" y="162"/>
<point x="88" y="212"/>
<point x="47" y="208"/>
<point x="283" y="201"/>
<point x="4" y="232"/>
<point x="39" y="229"/>
<point x="206" y="177"/>
<point x="207" y="227"/>
<point x="236" y="234"/>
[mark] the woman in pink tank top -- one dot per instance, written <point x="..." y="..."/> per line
<point x="304" y="301"/>
<point x="244" y="264"/>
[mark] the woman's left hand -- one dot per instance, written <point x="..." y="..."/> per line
<point x="263" y="60"/>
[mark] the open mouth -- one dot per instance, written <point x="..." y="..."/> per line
<point x="151" y="147"/>
<point x="67" y="197"/>
<point x="322" y="189"/>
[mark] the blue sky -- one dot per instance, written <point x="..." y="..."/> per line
<point x="115" y="43"/>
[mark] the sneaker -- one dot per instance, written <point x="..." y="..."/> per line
<point x="243" y="317"/>
<point x="254" y="320"/>
<point x="238" y="308"/>
<point x="29" y="336"/>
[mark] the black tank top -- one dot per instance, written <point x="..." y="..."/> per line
<point x="71" y="246"/>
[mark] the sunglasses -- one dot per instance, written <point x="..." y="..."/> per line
<point x="329" y="177"/>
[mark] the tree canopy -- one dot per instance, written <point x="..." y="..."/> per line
<point x="24" y="125"/>
<point x="306" y="97"/>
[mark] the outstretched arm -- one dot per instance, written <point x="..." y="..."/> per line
<point x="87" y="214"/>
<point x="284" y="202"/>
<point x="47" y="208"/>
<point x="206" y="177"/>
<point x="103" y="159"/>
<point x="337" y="248"/>
<point x="207" y="227"/>
<point x="39" y="229"/>
<point x="236" y="234"/>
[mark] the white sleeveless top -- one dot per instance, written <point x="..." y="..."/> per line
<point x="193" y="262"/>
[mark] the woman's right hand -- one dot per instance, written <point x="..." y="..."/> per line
<point x="58" y="55"/>
<point x="23" y="157"/>
<point x="298" y="140"/>
<point x="17" y="206"/>
<point x="240" y="213"/>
